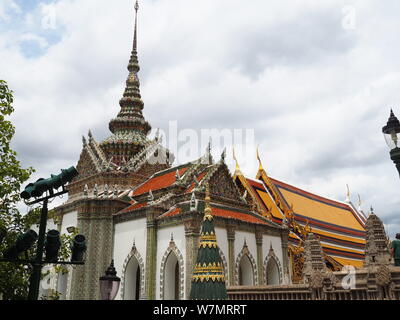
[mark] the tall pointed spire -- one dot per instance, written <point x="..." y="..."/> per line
<point x="135" y="32"/>
<point x="129" y="127"/>
<point x="208" y="280"/>
<point x="133" y="65"/>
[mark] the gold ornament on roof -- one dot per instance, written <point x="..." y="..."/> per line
<point x="237" y="169"/>
<point x="207" y="199"/>
<point x="259" y="160"/>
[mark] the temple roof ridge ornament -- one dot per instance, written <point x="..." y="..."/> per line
<point x="193" y="202"/>
<point x="279" y="200"/>
<point x="260" y="167"/>
<point x="347" y="194"/>
<point x="98" y="163"/>
<point x="208" y="153"/>
<point x="360" y="209"/>
<point x="150" y="196"/>
<point x="237" y="167"/>
<point x="157" y="135"/>
<point x="223" y="155"/>
<point x="207" y="157"/>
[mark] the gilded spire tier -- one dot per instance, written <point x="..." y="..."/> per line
<point x="129" y="128"/>
<point x="208" y="280"/>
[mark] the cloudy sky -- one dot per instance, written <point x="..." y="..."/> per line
<point x="314" y="80"/>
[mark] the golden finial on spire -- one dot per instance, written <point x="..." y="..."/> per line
<point x="207" y="199"/>
<point x="135" y="32"/>
<point x="237" y="169"/>
<point x="259" y="160"/>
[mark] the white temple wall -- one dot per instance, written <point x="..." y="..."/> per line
<point x="240" y="237"/>
<point x="276" y="243"/>
<point x="125" y="234"/>
<point x="222" y="240"/>
<point x="70" y="219"/>
<point x="163" y="241"/>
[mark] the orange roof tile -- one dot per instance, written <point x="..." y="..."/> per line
<point x="319" y="209"/>
<point x="230" y="213"/>
<point x="172" y="212"/>
<point x="133" y="207"/>
<point x="340" y="227"/>
<point x="159" y="181"/>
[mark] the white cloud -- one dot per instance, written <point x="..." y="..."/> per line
<point x="317" y="94"/>
<point x="7" y="9"/>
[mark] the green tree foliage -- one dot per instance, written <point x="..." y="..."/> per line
<point x="14" y="278"/>
<point x="12" y="176"/>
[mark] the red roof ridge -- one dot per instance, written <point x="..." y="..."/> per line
<point x="133" y="207"/>
<point x="171" y="212"/>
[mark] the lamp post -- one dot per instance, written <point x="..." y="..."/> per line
<point x="109" y="284"/>
<point x="391" y="133"/>
<point x="49" y="244"/>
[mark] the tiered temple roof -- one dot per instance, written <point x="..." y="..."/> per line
<point x="178" y="189"/>
<point x="340" y="227"/>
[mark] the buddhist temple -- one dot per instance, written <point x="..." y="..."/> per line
<point x="339" y="225"/>
<point x="176" y="230"/>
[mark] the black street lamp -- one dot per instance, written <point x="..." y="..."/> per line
<point x="109" y="284"/>
<point x="392" y="134"/>
<point x="49" y="243"/>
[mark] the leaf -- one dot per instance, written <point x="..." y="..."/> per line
<point x="14" y="278"/>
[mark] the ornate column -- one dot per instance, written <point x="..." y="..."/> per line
<point x="151" y="252"/>
<point x="285" y="256"/>
<point x="231" y="253"/>
<point x="95" y="222"/>
<point x="259" y="243"/>
<point x="192" y="233"/>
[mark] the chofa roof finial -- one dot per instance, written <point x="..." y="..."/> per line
<point x="237" y="168"/>
<point x="348" y="194"/>
<point x="260" y="167"/>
